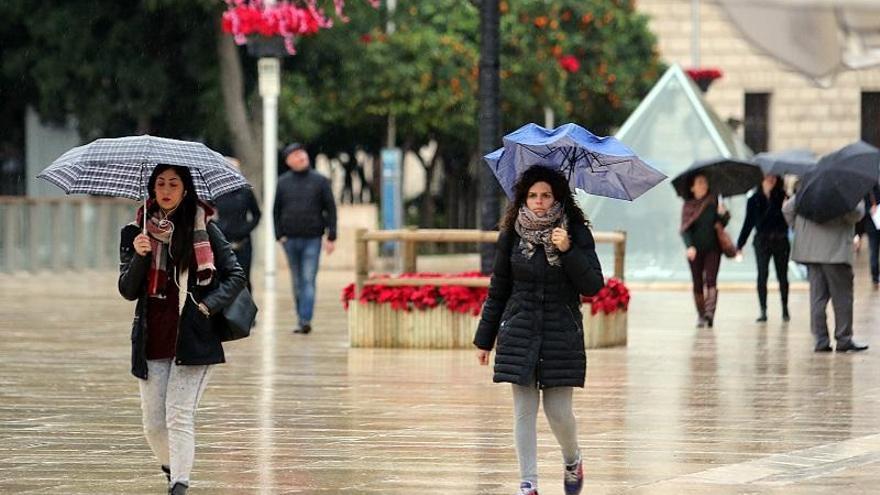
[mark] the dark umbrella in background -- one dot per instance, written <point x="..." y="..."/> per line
<point x="601" y="166"/>
<point x="726" y="176"/>
<point x="839" y="182"/>
<point x="121" y="167"/>
<point x="789" y="162"/>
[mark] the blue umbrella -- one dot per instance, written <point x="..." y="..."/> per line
<point x="601" y="166"/>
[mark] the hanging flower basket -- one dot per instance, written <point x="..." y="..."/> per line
<point x="276" y="26"/>
<point x="704" y="77"/>
<point x="446" y="316"/>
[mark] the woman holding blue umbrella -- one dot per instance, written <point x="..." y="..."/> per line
<point x="181" y="271"/>
<point x="545" y="260"/>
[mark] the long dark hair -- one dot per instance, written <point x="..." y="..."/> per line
<point x="183" y="216"/>
<point x="559" y="186"/>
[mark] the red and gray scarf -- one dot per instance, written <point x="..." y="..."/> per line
<point x="693" y="208"/>
<point x="534" y="230"/>
<point x="160" y="231"/>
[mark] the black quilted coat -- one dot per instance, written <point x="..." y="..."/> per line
<point x="196" y="342"/>
<point x="533" y="311"/>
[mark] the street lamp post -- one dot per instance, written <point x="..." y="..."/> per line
<point x="269" y="70"/>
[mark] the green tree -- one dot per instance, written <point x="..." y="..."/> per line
<point x="615" y="61"/>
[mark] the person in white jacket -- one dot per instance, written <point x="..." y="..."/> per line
<point x="826" y="250"/>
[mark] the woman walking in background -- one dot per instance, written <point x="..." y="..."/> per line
<point x="181" y="272"/>
<point x="699" y="214"/>
<point x="545" y="260"/>
<point x="764" y="215"/>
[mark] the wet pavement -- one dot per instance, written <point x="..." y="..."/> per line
<point x="741" y="408"/>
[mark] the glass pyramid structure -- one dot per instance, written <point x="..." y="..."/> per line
<point x="671" y="128"/>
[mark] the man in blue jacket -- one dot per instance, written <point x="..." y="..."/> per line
<point x="304" y="211"/>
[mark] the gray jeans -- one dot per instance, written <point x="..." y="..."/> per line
<point x="557" y="408"/>
<point x="169" y="397"/>
<point x="831" y="281"/>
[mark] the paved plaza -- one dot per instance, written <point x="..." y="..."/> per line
<point x="741" y="408"/>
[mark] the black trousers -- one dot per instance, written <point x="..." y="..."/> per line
<point x="777" y="248"/>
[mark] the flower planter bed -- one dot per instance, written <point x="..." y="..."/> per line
<point x="407" y="312"/>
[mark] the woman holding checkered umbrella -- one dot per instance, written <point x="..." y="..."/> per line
<point x="175" y="262"/>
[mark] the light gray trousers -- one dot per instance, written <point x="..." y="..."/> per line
<point x="169" y="397"/>
<point x="557" y="408"/>
<point x="831" y="281"/>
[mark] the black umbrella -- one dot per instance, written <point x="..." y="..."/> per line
<point x="726" y="176"/>
<point x="788" y="162"/>
<point x="839" y="182"/>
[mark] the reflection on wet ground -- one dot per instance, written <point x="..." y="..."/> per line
<point x="741" y="408"/>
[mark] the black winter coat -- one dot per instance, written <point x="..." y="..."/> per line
<point x="533" y="310"/>
<point x="304" y="206"/>
<point x="238" y="214"/>
<point x="196" y="341"/>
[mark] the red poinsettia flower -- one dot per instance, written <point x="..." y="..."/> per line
<point x="613" y="297"/>
<point x="569" y="63"/>
<point x="707" y="74"/>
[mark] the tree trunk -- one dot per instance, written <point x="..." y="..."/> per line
<point x="144" y="124"/>
<point x="490" y="122"/>
<point x="428" y="204"/>
<point x="244" y="133"/>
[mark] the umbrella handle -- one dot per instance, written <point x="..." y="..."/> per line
<point x="145" y="217"/>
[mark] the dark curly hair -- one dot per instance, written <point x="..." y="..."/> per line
<point x="561" y="192"/>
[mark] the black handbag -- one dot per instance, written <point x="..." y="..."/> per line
<point x="236" y="319"/>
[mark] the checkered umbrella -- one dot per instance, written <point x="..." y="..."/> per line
<point x="121" y="167"/>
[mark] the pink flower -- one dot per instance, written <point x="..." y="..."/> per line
<point x="569" y="63"/>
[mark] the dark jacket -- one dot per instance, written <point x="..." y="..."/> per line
<point x="304" y="206"/>
<point x="533" y="310"/>
<point x="238" y="214"/>
<point x="701" y="234"/>
<point x="765" y="216"/>
<point x="196" y="341"/>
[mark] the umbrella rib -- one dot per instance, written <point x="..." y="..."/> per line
<point x="207" y="185"/>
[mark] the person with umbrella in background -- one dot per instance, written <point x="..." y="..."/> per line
<point x="545" y="260"/>
<point x="177" y="265"/>
<point x="764" y="215"/>
<point x="703" y="218"/>
<point x="823" y="213"/>
<point x="699" y="214"/>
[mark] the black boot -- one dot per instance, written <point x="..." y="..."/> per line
<point x="711" y="304"/>
<point x="700" y="303"/>
<point x="763" y="316"/>
<point x="167" y="471"/>
<point x="783" y="292"/>
<point x="178" y="489"/>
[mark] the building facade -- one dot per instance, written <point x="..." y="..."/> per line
<point x="773" y="108"/>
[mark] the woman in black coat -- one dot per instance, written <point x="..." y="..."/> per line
<point x="699" y="214"/>
<point x="545" y="260"/>
<point x="182" y="272"/>
<point x="764" y="214"/>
